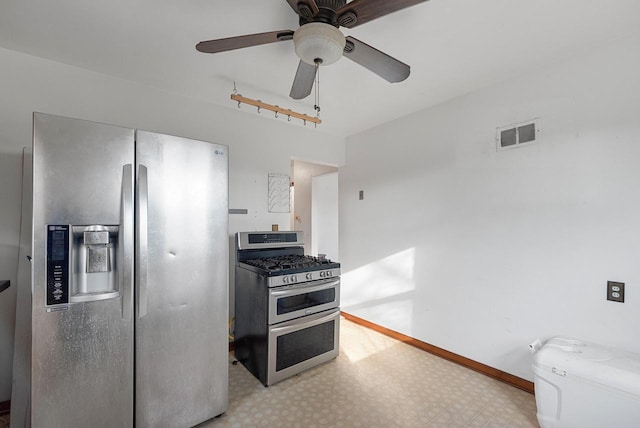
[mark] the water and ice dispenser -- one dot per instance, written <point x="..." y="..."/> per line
<point x="82" y="263"/>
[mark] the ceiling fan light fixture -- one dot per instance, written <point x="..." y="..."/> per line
<point x="317" y="42"/>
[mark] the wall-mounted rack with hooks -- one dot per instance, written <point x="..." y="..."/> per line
<point x="278" y="110"/>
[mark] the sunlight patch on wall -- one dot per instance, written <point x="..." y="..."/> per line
<point x="379" y="280"/>
<point x="382" y="291"/>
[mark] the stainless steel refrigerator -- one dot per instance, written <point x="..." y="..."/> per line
<point x="127" y="299"/>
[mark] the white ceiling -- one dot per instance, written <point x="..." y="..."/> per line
<point x="453" y="46"/>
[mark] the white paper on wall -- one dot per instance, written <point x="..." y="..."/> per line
<point x="279" y="196"/>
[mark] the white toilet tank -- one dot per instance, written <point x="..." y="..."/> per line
<point x="582" y="385"/>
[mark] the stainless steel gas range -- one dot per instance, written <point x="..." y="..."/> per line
<point x="287" y="315"/>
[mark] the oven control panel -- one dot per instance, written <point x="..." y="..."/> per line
<point x="277" y="281"/>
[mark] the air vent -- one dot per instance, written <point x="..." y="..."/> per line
<point x="284" y="36"/>
<point x="349" y="46"/>
<point x="305" y="11"/>
<point x="518" y="135"/>
<point x="348" y="19"/>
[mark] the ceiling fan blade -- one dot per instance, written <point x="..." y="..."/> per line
<point x="305" y="8"/>
<point x="368" y="10"/>
<point x="303" y="82"/>
<point x="231" y="43"/>
<point x="379" y="62"/>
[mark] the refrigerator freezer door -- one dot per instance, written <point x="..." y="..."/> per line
<point x="182" y="310"/>
<point x="82" y="371"/>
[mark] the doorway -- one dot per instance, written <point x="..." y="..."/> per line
<point x="324" y="215"/>
<point x="315" y="212"/>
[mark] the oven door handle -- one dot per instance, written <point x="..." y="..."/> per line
<point x="306" y="289"/>
<point x="298" y="326"/>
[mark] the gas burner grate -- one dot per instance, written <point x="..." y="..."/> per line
<point x="287" y="262"/>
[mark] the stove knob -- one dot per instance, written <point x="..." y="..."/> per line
<point x="285" y="279"/>
<point x="329" y="273"/>
<point x="294" y="278"/>
<point x="322" y="274"/>
<point x="309" y="276"/>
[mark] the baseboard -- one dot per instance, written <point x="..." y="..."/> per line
<point x="507" y="378"/>
<point x="5" y="407"/>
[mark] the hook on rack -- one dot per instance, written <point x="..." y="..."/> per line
<point x="235" y="93"/>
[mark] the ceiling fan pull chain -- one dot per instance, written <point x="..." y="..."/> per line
<point x="316" y="105"/>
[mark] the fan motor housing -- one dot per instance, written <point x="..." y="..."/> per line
<point x="326" y="14"/>
<point x="331" y="4"/>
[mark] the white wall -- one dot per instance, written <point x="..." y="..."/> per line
<point x="480" y="252"/>
<point x="258" y="146"/>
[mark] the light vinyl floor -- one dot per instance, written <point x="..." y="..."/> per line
<point x="376" y="381"/>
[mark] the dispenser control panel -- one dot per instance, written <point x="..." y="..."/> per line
<point x="57" y="264"/>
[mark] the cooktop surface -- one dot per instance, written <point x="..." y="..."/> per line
<point x="290" y="264"/>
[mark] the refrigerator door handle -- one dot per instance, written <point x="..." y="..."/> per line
<point x="142" y="245"/>
<point x="126" y="272"/>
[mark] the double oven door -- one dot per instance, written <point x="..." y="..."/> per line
<point x="302" y="343"/>
<point x="304" y="327"/>
<point x="298" y="300"/>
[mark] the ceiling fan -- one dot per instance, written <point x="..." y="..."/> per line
<point x="318" y="40"/>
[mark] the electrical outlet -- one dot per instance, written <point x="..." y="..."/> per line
<point x="615" y="291"/>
